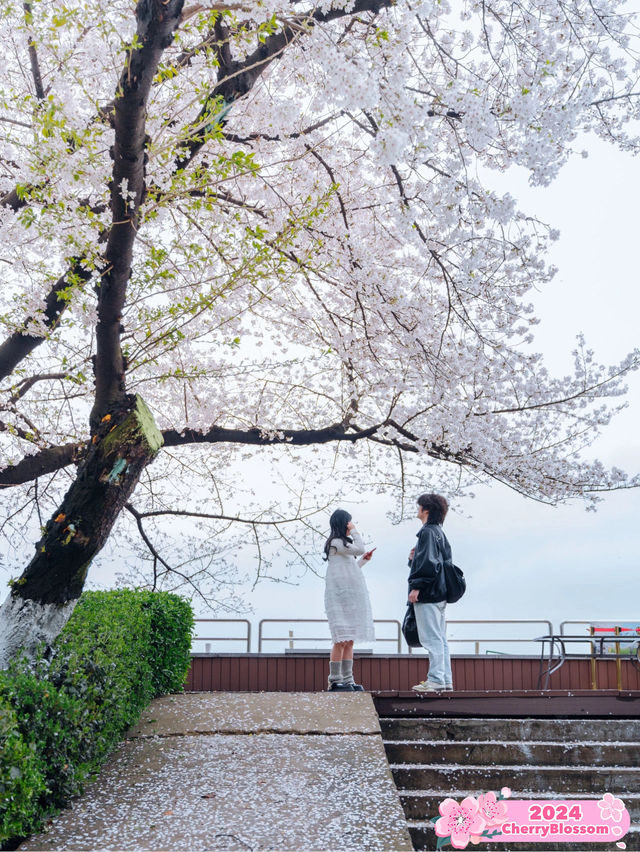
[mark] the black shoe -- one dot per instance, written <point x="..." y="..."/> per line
<point x="341" y="687"/>
<point x="357" y="687"/>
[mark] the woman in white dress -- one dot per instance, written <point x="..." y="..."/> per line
<point x="346" y="599"/>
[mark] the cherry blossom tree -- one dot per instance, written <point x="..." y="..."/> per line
<point x="263" y="226"/>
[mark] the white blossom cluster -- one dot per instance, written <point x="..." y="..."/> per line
<point x="329" y="255"/>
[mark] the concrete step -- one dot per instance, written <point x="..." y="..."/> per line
<point x="524" y="779"/>
<point x="424" y="837"/>
<point x="433" y="758"/>
<point x="423" y="804"/>
<point x="535" y="753"/>
<point x="507" y="730"/>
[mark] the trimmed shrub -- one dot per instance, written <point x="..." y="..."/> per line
<point x="118" y="650"/>
<point x="21" y="782"/>
<point x="170" y="642"/>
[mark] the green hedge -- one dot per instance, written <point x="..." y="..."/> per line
<point x="59" y="719"/>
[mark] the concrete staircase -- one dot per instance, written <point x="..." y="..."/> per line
<point x="433" y="758"/>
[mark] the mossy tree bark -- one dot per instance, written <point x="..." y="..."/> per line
<point x="42" y="599"/>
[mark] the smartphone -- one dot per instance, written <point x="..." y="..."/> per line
<point x="368" y="554"/>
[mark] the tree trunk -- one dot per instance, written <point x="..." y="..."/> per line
<point x="43" y="598"/>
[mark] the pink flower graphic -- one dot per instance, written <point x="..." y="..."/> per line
<point x="505" y="792"/>
<point x="460" y="821"/>
<point x="493" y="812"/>
<point x="611" y="808"/>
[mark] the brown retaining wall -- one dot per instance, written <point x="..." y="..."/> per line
<point x="308" y="673"/>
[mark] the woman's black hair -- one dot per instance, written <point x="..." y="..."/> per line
<point x="338" y="523"/>
<point x="436" y="505"/>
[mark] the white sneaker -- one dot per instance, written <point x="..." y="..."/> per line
<point x="427" y="686"/>
<point x="448" y="687"/>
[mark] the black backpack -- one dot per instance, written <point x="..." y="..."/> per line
<point x="456" y="584"/>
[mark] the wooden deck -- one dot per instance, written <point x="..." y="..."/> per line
<point x="553" y="704"/>
<point x="504" y="682"/>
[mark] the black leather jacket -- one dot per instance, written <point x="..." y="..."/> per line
<point x="431" y="551"/>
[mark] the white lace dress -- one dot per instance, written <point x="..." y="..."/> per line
<point x="346" y="599"/>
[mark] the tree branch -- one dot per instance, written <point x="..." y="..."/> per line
<point x="293" y="437"/>
<point x="251" y="137"/>
<point x="156" y="556"/>
<point x="615" y="98"/>
<point x="54" y="458"/>
<point x="156" y="25"/>
<point x="14" y="199"/>
<point x="19" y="344"/>
<point x="33" y="56"/>
<point x="236" y="79"/>
<point x="45" y="461"/>
<point x="185" y="514"/>
<point x="26" y="384"/>
<point x="51" y="459"/>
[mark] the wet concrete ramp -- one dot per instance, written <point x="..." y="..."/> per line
<point x="285" y="771"/>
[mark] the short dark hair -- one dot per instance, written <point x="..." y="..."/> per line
<point x="436" y="505"/>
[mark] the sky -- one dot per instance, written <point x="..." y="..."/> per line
<point x="522" y="559"/>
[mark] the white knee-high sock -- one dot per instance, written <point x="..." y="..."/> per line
<point x="347" y="671"/>
<point x="335" y="674"/>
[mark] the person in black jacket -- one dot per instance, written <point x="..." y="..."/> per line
<point x="428" y="592"/>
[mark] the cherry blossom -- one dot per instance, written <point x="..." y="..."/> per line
<point x="491" y="809"/>
<point x="611" y="807"/>
<point x="459" y="821"/>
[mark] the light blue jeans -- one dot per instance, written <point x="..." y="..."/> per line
<point x="432" y="632"/>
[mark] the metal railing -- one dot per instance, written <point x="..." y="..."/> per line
<point x="591" y="638"/>
<point x="246" y="638"/>
<point x="621" y="646"/>
<point x="492" y="621"/>
<point x="598" y="624"/>
<point x="590" y="644"/>
<point x="291" y="639"/>
<point x="562" y="624"/>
